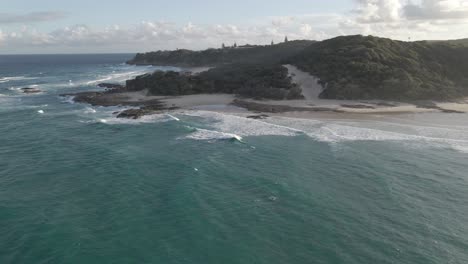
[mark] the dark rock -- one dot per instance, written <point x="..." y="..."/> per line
<point x="95" y="99"/>
<point x="387" y="104"/>
<point x="111" y="85"/>
<point x="448" y="111"/>
<point x="258" y="116"/>
<point x="358" y="106"/>
<point x="28" y="90"/>
<point x="426" y="104"/>
<point x="131" y="113"/>
<point x="136" y="113"/>
<point x="267" y="108"/>
<point x="433" y="105"/>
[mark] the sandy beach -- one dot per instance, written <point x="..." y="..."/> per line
<point x="309" y="107"/>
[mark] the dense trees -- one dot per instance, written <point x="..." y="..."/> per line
<point x="217" y="57"/>
<point x="248" y="80"/>
<point x="357" y="67"/>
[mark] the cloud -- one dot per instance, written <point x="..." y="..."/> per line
<point x="373" y="11"/>
<point x="403" y="19"/>
<point x="432" y="9"/>
<point x="34" y="17"/>
<point x="397" y="19"/>
<point x="377" y="11"/>
<point x="151" y="35"/>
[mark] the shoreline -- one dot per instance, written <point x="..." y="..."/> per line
<point x="145" y="105"/>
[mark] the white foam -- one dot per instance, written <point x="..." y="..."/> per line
<point x="115" y="77"/>
<point x="237" y="125"/>
<point x="40" y="111"/>
<point x="15" y="78"/>
<point x="463" y="148"/>
<point x="173" y="117"/>
<point x="89" y="110"/>
<point x="112" y="120"/>
<point x="205" y="134"/>
<point x="339" y="131"/>
<point x="68" y="99"/>
<point x="329" y="131"/>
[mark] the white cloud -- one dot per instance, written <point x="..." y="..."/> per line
<point x="432" y="9"/>
<point x="397" y="19"/>
<point x="155" y="35"/>
<point x="372" y="11"/>
<point x="403" y="19"/>
<point x="306" y="29"/>
<point x="283" y="21"/>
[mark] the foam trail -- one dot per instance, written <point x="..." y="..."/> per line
<point x="205" y="134"/>
<point x="99" y="80"/>
<point x="173" y="117"/>
<point x="68" y="99"/>
<point x="243" y="126"/>
<point x="331" y="131"/>
<point x="117" y="77"/>
<point x="15" y="78"/>
<point x="148" y="119"/>
<point x="89" y="110"/>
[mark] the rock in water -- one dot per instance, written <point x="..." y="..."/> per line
<point x="111" y="85"/>
<point x="258" y="117"/>
<point x="28" y="90"/>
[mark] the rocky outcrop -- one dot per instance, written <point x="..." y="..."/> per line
<point x="358" y="106"/>
<point x="111" y="85"/>
<point x="258" y="117"/>
<point x="95" y="98"/>
<point x="433" y="105"/>
<point x="28" y="90"/>
<point x="276" y="108"/>
<point x="110" y="98"/>
<point x="136" y="113"/>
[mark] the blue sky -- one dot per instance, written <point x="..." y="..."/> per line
<point x="102" y="13"/>
<point x="62" y="26"/>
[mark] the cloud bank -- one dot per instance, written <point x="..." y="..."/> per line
<point x="397" y="19"/>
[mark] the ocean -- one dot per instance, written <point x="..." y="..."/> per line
<point x="78" y="185"/>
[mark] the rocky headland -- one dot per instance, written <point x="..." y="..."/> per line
<point x="355" y="74"/>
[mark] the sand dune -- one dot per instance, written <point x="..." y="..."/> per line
<point x="311" y="89"/>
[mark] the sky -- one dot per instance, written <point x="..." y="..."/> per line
<point x="103" y="26"/>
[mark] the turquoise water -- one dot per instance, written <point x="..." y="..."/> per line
<point x="79" y="186"/>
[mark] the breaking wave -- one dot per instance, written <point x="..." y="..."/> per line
<point x="329" y="131"/>
<point x="15" y="78"/>
<point x="205" y="134"/>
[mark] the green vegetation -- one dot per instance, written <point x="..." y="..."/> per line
<point x="349" y="67"/>
<point x="460" y="42"/>
<point x="216" y="57"/>
<point x="247" y="80"/>
<point x="357" y="67"/>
